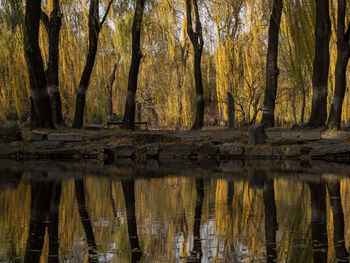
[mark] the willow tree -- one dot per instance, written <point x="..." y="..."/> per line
<point x="53" y="26"/>
<point x="39" y="97"/>
<point x="196" y="37"/>
<point x="321" y="65"/>
<point x="272" y="71"/>
<point x="94" y="30"/>
<point x="129" y="113"/>
<point x="343" y="54"/>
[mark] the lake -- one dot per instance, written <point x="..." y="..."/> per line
<point x="174" y="212"/>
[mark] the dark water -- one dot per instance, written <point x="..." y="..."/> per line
<point x="174" y="212"/>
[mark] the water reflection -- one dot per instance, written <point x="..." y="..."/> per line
<point x="253" y="215"/>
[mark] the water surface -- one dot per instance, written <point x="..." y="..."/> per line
<point x="173" y="212"/>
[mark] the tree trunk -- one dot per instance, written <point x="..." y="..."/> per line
<point x="230" y="110"/>
<point x="196" y="38"/>
<point x="39" y="97"/>
<point x="321" y="65"/>
<point x="110" y="92"/>
<point x="303" y="107"/>
<point x="272" y="71"/>
<point x="129" y="113"/>
<point x="343" y="53"/>
<point x="94" y="30"/>
<point x="53" y="27"/>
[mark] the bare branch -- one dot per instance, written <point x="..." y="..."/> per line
<point x="106" y="13"/>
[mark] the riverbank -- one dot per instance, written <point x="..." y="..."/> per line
<point x="114" y="144"/>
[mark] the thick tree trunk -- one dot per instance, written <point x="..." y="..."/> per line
<point x="110" y="92"/>
<point x="319" y="222"/>
<point x="343" y="53"/>
<point x="129" y="194"/>
<point x="196" y="38"/>
<point x="94" y="30"/>
<point x="270" y="221"/>
<point x="321" y="65"/>
<point x="53" y="27"/>
<point x="272" y="71"/>
<point x="230" y="110"/>
<point x="129" y="113"/>
<point x="39" y="97"/>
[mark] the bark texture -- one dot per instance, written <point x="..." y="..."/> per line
<point x="129" y="113"/>
<point x="39" y="97"/>
<point x="94" y="31"/>
<point x="321" y="65"/>
<point x="343" y="54"/>
<point x="53" y="27"/>
<point x="196" y="37"/>
<point x="272" y="71"/>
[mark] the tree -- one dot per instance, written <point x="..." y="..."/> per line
<point x="129" y="113"/>
<point x="110" y="92"/>
<point x="53" y="27"/>
<point x="94" y="29"/>
<point x="39" y="97"/>
<point x="272" y="71"/>
<point x="343" y="54"/>
<point x="196" y="37"/>
<point x="321" y="65"/>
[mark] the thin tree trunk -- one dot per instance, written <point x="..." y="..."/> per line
<point x="272" y="71"/>
<point x="302" y="117"/>
<point x="53" y="27"/>
<point x="319" y="222"/>
<point x="110" y="92"/>
<point x="343" y="54"/>
<point x="94" y="31"/>
<point x="196" y="37"/>
<point x="39" y="97"/>
<point x="230" y="110"/>
<point x="129" y="113"/>
<point x="321" y="65"/>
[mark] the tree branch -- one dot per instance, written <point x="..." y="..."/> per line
<point x="106" y="13"/>
<point x="45" y="19"/>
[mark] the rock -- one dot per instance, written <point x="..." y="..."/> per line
<point x="231" y="150"/>
<point x="231" y="165"/>
<point x="263" y="153"/>
<point x="10" y="131"/>
<point x="94" y="127"/>
<point x="284" y="141"/>
<point x="6" y="150"/>
<point x="38" y="135"/>
<point x="67" y="137"/>
<point x="125" y="151"/>
<point x="152" y="150"/>
<point x="178" y="151"/>
<point x="303" y="135"/>
<point x="257" y="134"/>
<point x="46" y="145"/>
<point x="293" y="151"/>
<point x="337" y="151"/>
<point x="208" y="150"/>
<point x="72" y="144"/>
<point x="208" y="165"/>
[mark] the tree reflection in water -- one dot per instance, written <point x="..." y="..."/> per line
<point x="319" y="222"/>
<point x="129" y="194"/>
<point x="85" y="220"/>
<point x="45" y="202"/>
